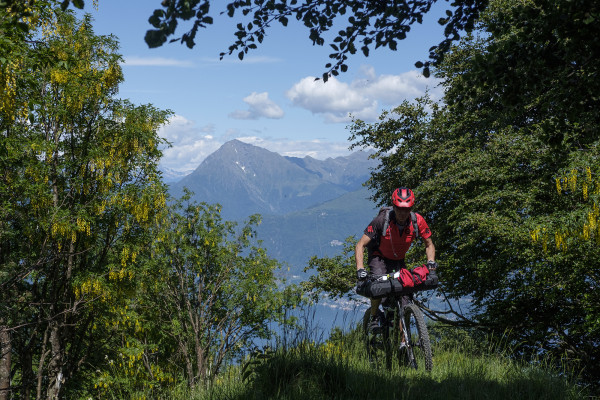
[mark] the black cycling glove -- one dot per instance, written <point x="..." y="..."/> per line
<point x="361" y="274"/>
<point x="432" y="265"/>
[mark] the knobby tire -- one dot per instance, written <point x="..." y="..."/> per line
<point x="420" y="345"/>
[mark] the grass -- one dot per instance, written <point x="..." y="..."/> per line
<point x="464" y="368"/>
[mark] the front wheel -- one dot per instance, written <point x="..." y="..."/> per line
<point x="418" y="349"/>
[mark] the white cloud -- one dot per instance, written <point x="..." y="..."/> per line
<point x="134" y="61"/>
<point x="260" y="106"/>
<point x="300" y="148"/>
<point x="334" y="99"/>
<point x="363" y="98"/>
<point x="192" y="144"/>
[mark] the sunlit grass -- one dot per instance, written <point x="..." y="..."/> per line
<point x="464" y="368"/>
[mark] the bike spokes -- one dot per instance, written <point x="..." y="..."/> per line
<point x="418" y="344"/>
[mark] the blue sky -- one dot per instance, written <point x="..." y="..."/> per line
<point x="269" y="99"/>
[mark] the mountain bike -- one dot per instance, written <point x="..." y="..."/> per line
<point x="402" y="333"/>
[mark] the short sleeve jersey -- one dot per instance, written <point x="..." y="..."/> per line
<point x="395" y="242"/>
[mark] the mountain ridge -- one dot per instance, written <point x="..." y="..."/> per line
<point x="308" y="206"/>
<point x="247" y="179"/>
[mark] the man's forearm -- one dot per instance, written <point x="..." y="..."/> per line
<point x="430" y="251"/>
<point x="359" y="253"/>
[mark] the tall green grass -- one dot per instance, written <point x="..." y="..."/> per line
<point x="465" y="367"/>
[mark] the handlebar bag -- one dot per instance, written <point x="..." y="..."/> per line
<point x="378" y="288"/>
<point x="406" y="283"/>
<point x="424" y="278"/>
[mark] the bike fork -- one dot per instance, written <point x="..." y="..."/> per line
<point x="405" y="338"/>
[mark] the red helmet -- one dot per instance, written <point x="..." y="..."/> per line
<point x="403" y="197"/>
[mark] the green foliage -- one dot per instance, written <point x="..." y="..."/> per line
<point x="484" y="167"/>
<point x="213" y="291"/>
<point x="21" y="15"/>
<point x="333" y="275"/>
<point x="368" y="24"/>
<point x="79" y="189"/>
<point x="105" y="291"/>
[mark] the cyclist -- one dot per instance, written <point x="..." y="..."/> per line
<point x="386" y="250"/>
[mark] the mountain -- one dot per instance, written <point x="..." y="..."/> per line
<point x="169" y="175"/>
<point x="308" y="206"/>
<point x="247" y="179"/>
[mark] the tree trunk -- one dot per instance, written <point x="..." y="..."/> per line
<point x="29" y="379"/>
<point x="5" y="353"/>
<point x="188" y="362"/>
<point x="55" y="370"/>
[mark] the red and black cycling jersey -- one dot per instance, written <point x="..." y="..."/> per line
<point x="395" y="242"/>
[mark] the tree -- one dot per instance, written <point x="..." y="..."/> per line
<point x="369" y="24"/>
<point x="517" y="115"/>
<point x="216" y="291"/>
<point x="79" y="189"/>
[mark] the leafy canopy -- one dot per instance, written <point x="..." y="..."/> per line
<point x="368" y="24"/>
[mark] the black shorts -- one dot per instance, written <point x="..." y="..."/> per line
<point x="381" y="266"/>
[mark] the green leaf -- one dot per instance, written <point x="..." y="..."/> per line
<point x="155" y="18"/>
<point x="155" y="38"/>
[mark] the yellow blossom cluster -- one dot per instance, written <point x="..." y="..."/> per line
<point x="92" y="288"/>
<point x="60" y="228"/>
<point x="333" y="350"/>
<point x="135" y="370"/>
<point x="126" y="255"/>
<point x="590" y="229"/>
<point x="8" y="88"/>
<point x="79" y="60"/>
<point x="568" y="182"/>
<point x="120" y="275"/>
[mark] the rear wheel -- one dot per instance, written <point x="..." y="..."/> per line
<point x="418" y="351"/>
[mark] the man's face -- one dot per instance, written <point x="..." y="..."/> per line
<point x="401" y="213"/>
